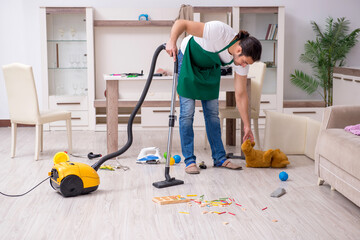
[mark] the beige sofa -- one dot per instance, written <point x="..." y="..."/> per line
<point x="337" y="154"/>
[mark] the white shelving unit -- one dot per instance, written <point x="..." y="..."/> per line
<point x="68" y="63"/>
<point x="68" y="72"/>
<point x="256" y="20"/>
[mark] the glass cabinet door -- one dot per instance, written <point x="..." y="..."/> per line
<point x="67" y="56"/>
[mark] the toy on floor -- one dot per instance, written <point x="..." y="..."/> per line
<point x="278" y="192"/>
<point x="107" y="167"/>
<point x="202" y="165"/>
<point x="283" y="176"/>
<point x="259" y="159"/>
<point x="177" y="158"/>
<point x="172" y="161"/>
<point x="170" y="200"/>
<point x="165" y="155"/>
<point x="150" y="155"/>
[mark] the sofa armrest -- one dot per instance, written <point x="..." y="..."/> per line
<point x="340" y="116"/>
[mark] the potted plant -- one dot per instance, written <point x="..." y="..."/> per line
<point x="327" y="51"/>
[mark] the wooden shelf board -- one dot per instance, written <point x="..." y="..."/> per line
<point x="347" y="71"/>
<point x="64" y="10"/>
<point x="229" y="9"/>
<point x="133" y="23"/>
<point x="258" y="10"/>
<point x="302" y="104"/>
<point x="211" y="9"/>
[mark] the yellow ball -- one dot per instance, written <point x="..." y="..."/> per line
<point x="172" y="161"/>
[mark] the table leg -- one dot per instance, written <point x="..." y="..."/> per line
<point x="112" y="93"/>
<point x="230" y="123"/>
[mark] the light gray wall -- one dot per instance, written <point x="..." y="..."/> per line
<point x="20" y="36"/>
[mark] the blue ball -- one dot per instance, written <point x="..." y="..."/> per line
<point x="177" y="158"/>
<point x="283" y="176"/>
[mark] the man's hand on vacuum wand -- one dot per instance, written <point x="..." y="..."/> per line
<point x="171" y="49"/>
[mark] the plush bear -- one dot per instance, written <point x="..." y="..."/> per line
<point x="279" y="159"/>
<point x="257" y="159"/>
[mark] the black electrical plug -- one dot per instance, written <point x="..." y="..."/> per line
<point x="91" y="155"/>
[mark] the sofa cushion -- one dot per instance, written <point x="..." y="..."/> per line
<point x="285" y="131"/>
<point x="341" y="148"/>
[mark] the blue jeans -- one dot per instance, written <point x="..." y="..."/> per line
<point x="212" y="123"/>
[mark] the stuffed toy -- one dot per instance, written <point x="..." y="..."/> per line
<point x="259" y="159"/>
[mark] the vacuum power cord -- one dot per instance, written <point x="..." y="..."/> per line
<point x="20" y="195"/>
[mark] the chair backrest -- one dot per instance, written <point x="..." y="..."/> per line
<point x="21" y="92"/>
<point x="257" y="71"/>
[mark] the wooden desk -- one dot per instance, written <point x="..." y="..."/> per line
<point x="112" y="104"/>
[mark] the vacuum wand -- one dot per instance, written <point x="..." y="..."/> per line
<point x="97" y="165"/>
<point x="172" y="118"/>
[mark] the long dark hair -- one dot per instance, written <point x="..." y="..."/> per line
<point x="251" y="46"/>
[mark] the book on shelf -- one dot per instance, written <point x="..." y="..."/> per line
<point x="271" y="33"/>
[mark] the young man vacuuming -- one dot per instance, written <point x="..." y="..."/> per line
<point x="208" y="47"/>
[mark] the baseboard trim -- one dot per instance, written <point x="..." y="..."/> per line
<point x="7" y="123"/>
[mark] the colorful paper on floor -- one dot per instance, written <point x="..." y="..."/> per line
<point x="170" y="200"/>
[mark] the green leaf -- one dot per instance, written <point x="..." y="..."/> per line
<point x="304" y="81"/>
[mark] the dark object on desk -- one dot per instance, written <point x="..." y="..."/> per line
<point x="232" y="156"/>
<point x="226" y="71"/>
<point x="135" y="74"/>
<point x="157" y="74"/>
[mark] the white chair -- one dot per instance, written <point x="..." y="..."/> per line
<point x="24" y="107"/>
<point x="257" y="72"/>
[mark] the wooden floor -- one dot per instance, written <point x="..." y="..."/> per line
<point x="122" y="207"/>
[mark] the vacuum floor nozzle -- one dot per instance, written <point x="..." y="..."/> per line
<point x="168" y="183"/>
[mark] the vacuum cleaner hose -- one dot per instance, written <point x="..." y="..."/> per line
<point x="97" y="165"/>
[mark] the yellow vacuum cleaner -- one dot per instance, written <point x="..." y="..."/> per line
<point x="73" y="178"/>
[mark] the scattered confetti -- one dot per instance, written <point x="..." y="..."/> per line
<point x="221" y="202"/>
